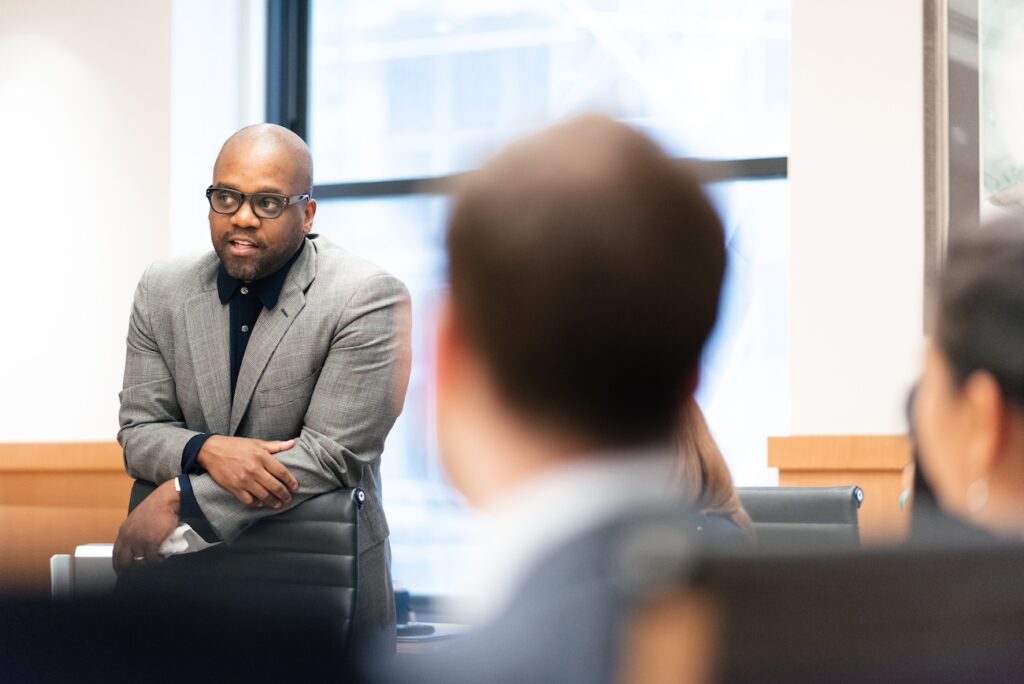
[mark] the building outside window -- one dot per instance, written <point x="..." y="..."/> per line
<point x="409" y="90"/>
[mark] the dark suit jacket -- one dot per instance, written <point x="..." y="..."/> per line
<point x="567" y="619"/>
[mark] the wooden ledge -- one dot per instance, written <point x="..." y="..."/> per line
<point x="839" y="452"/>
<point x="66" y="457"/>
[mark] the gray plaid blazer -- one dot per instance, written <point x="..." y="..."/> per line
<point x="329" y="366"/>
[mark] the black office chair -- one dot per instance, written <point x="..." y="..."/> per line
<point x="302" y="562"/>
<point x="813" y="517"/>
<point x="945" y="612"/>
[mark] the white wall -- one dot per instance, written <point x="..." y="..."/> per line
<point x="108" y="141"/>
<point x="857" y="183"/>
<point x="218" y="74"/>
<point x="112" y="114"/>
<point x="84" y="140"/>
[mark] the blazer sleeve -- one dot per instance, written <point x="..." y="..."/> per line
<point x="357" y="397"/>
<point x="153" y="433"/>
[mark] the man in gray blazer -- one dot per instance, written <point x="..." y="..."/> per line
<point x="263" y="373"/>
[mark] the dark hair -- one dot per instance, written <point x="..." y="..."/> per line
<point x="980" y="322"/>
<point x="586" y="268"/>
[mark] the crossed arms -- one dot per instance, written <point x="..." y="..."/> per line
<point x="354" y="402"/>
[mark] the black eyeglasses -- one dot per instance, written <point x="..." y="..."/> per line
<point x="267" y="205"/>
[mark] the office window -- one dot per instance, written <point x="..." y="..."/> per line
<point x="745" y="374"/>
<point x="420" y="88"/>
<point x="414" y="90"/>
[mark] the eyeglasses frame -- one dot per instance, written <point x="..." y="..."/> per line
<point x="288" y="201"/>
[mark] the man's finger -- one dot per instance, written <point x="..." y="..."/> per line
<point x="260" y="493"/>
<point x="244" y="496"/>
<point x="134" y="557"/>
<point x="277" y="447"/>
<point x="276" y="489"/>
<point x="277" y="469"/>
<point x="118" y="555"/>
<point x="151" y="553"/>
<point x="124" y="557"/>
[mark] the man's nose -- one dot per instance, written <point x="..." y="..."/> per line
<point x="244" y="218"/>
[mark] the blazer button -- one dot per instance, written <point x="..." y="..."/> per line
<point x="245" y="328"/>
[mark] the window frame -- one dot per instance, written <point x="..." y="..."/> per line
<point x="288" y="65"/>
<point x="288" y="58"/>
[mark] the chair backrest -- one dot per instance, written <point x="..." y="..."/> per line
<point x="160" y="640"/>
<point x="944" y="613"/>
<point x="949" y="611"/>
<point x="811" y="517"/>
<point x="303" y="561"/>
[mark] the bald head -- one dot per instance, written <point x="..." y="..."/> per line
<point x="269" y="166"/>
<point x="274" y="145"/>
<point x="585" y="269"/>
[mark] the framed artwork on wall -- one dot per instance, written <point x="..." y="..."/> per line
<point x="974" y="120"/>
<point x="952" y="131"/>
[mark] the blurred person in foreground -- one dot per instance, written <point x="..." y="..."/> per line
<point x="704" y="478"/>
<point x="585" y="273"/>
<point x="969" y="408"/>
<point x="260" y="374"/>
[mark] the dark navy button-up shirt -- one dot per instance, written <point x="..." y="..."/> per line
<point x="245" y="302"/>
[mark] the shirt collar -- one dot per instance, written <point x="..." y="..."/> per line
<point x="267" y="289"/>
<point x="536" y="517"/>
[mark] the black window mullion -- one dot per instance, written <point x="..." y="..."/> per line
<point x="288" y="64"/>
<point x="288" y="58"/>
<point x="712" y="170"/>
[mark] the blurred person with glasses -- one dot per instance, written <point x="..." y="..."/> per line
<point x="267" y="371"/>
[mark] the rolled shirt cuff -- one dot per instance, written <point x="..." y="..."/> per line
<point x="190" y="454"/>
<point x="191" y="514"/>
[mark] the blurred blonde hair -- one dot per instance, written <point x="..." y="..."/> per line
<point x="703" y="475"/>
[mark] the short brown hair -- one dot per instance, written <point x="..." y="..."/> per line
<point x="586" y="268"/>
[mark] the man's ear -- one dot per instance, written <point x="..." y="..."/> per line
<point x="449" y="345"/>
<point x="455" y="399"/>
<point x="307" y="215"/>
<point x="989" y="423"/>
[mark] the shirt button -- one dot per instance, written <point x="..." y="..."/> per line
<point x="245" y="328"/>
<point x="245" y="290"/>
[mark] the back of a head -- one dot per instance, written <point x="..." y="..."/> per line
<point x="980" y="318"/>
<point x="586" y="268"/>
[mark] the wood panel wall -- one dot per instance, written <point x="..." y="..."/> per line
<point x="873" y="462"/>
<point x="54" y="497"/>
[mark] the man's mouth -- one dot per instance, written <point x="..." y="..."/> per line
<point x="241" y="246"/>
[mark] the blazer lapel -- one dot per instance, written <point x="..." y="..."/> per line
<point x="270" y="328"/>
<point x="207" y="322"/>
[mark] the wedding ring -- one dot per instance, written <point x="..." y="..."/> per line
<point x="138" y="558"/>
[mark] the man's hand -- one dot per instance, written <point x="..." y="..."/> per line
<point x="147" y="526"/>
<point x="248" y="469"/>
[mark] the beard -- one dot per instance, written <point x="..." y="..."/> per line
<point x="266" y="261"/>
